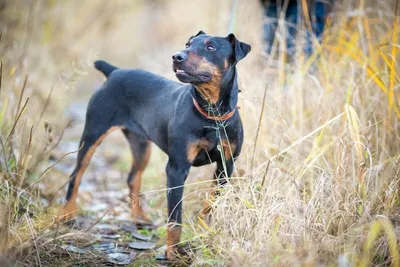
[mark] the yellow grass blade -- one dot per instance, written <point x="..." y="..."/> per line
<point x="370" y="71"/>
<point x="247" y="203"/>
<point x="313" y="157"/>
<point x="354" y="126"/>
<point x="205" y="225"/>
<point x="389" y="64"/>
<point x="316" y="145"/>
<point x="392" y="65"/>
<point x="368" y="34"/>
<point x="375" y="229"/>
<point x="3" y="111"/>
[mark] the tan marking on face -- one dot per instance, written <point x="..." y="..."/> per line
<point x="209" y="90"/>
<point x="194" y="149"/>
<point x="229" y="148"/>
<point x="69" y="209"/>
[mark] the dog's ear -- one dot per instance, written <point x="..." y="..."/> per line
<point x="240" y="49"/>
<point x="200" y="33"/>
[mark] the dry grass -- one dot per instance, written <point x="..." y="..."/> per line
<point x="331" y="140"/>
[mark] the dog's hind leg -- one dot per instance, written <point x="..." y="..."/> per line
<point x="141" y="149"/>
<point x="90" y="140"/>
<point x="102" y="117"/>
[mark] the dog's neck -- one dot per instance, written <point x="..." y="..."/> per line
<point x="228" y="95"/>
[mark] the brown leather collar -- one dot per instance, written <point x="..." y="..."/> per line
<point x="215" y="118"/>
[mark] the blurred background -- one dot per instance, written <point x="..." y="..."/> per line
<point x="318" y="177"/>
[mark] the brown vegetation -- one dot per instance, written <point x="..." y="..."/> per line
<point x="320" y="186"/>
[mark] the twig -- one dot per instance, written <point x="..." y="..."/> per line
<point x="97" y="221"/>
<point x="4" y="155"/>
<point x="46" y="103"/>
<point x="305" y="137"/>
<point x="1" y="71"/>
<point x="265" y="173"/>
<point x="51" y="166"/>
<point x="258" y="128"/>
<point x="59" y="139"/>
<point x="28" y="149"/>
<point x="16" y="121"/>
<point x="20" y="96"/>
<point x="44" y="155"/>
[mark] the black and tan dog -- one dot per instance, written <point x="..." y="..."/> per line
<point x="195" y="123"/>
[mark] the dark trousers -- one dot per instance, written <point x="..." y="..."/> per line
<point x="318" y="12"/>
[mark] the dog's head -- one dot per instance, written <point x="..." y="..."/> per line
<point x="206" y="58"/>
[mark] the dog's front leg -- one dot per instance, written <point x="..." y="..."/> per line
<point x="222" y="174"/>
<point x="176" y="176"/>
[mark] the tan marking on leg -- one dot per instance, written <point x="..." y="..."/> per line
<point x="229" y="149"/>
<point x="173" y="238"/>
<point x="137" y="213"/>
<point x="194" y="148"/>
<point x="207" y="203"/>
<point x="69" y="210"/>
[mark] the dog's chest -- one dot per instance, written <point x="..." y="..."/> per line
<point x="213" y="149"/>
<point x="216" y="143"/>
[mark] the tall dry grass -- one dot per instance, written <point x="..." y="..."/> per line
<point x="324" y="183"/>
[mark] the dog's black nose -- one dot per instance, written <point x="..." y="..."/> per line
<point x="179" y="57"/>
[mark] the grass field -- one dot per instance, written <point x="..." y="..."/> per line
<point x="318" y="180"/>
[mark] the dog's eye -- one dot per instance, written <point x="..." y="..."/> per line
<point x="187" y="45"/>
<point x="210" y="47"/>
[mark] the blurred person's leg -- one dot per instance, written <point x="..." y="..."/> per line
<point x="272" y="11"/>
<point x="291" y="21"/>
<point x="319" y="11"/>
<point x="270" y="24"/>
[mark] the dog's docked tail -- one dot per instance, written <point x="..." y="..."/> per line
<point x="104" y="67"/>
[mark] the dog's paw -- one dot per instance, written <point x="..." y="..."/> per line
<point x="68" y="212"/>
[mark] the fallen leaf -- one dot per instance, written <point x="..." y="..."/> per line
<point x="142" y="245"/>
<point x="129" y="227"/>
<point x="71" y="248"/>
<point x="140" y="236"/>
<point x="104" y="246"/>
<point x="110" y="236"/>
<point x="121" y="258"/>
<point x="105" y="227"/>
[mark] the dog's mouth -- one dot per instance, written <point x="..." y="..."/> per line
<point x="182" y="72"/>
<point x="184" y="76"/>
